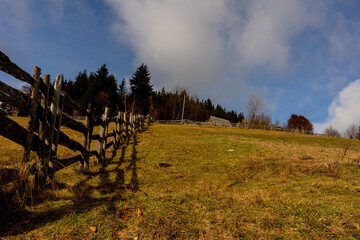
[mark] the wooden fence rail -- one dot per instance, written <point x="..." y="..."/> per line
<point x="43" y="133"/>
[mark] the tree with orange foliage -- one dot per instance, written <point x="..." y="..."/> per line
<point x="300" y="122"/>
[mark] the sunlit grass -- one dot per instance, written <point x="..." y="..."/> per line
<point x="208" y="183"/>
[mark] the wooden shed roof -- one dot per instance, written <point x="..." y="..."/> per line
<point x="219" y="121"/>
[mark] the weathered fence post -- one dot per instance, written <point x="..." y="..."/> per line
<point x="147" y="121"/>
<point x="142" y="123"/>
<point x="132" y="125"/>
<point x="51" y="137"/>
<point x="117" y="130"/>
<point x="42" y="168"/>
<point x="58" y="120"/>
<point x="137" y="125"/>
<point x="129" y="125"/>
<point x="90" y="131"/>
<point x="107" y="110"/>
<point x="123" y="126"/>
<point x="86" y="141"/>
<point x="101" y="146"/>
<point x="32" y="115"/>
<point x="126" y="126"/>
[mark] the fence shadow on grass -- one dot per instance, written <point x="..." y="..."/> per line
<point x="82" y="199"/>
<point x="134" y="182"/>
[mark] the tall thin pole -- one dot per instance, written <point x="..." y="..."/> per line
<point x="182" y="116"/>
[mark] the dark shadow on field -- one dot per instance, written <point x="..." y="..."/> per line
<point x="134" y="182"/>
<point x="22" y="221"/>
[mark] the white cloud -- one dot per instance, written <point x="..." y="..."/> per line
<point x="204" y="42"/>
<point x="344" y="110"/>
<point x="265" y="39"/>
<point x="180" y="40"/>
<point x="21" y="16"/>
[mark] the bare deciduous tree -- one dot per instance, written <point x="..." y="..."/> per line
<point x="331" y="132"/>
<point x="255" y="106"/>
<point x="277" y="123"/>
<point x="27" y="89"/>
<point x="351" y="132"/>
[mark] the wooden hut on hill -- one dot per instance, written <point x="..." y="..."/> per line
<point x="219" y="121"/>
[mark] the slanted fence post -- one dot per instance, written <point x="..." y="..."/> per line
<point x="147" y="121"/>
<point x="123" y="126"/>
<point x="142" y="123"/>
<point x="86" y="141"/>
<point x="127" y="132"/>
<point x="101" y="146"/>
<point x="107" y="110"/>
<point x="129" y="125"/>
<point x="42" y="168"/>
<point x="133" y="124"/>
<point x="58" y="120"/>
<point x="117" y="129"/>
<point x="52" y="133"/>
<point x="32" y="115"/>
<point x="138" y="123"/>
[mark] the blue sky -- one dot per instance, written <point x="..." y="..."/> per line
<point x="302" y="56"/>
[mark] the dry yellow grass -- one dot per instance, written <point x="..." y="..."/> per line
<point x="205" y="183"/>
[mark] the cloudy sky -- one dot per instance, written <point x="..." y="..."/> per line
<point x="303" y="56"/>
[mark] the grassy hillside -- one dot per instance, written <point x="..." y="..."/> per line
<point x="186" y="182"/>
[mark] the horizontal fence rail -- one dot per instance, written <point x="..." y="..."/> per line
<point x="43" y="133"/>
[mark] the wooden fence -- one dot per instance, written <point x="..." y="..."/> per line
<point x="46" y="116"/>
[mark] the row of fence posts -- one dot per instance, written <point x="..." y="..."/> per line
<point x="45" y="107"/>
<point x="123" y="130"/>
<point x="49" y="128"/>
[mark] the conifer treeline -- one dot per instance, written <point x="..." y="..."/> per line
<point x="101" y="90"/>
<point x="169" y="105"/>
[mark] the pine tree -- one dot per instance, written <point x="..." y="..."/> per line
<point x="102" y="90"/>
<point x="79" y="88"/>
<point x="122" y="92"/>
<point x="141" y="90"/>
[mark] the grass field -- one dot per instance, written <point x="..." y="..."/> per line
<point x="186" y="182"/>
